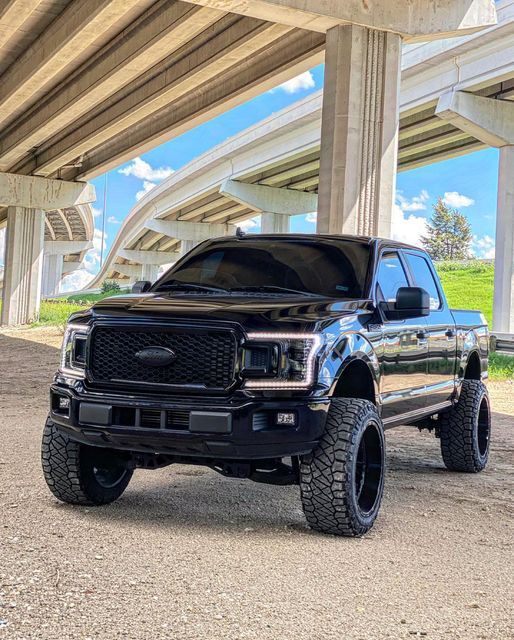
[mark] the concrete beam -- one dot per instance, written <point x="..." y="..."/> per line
<point x="262" y="198"/>
<point x="195" y="231"/>
<point x="148" y="257"/>
<point x="66" y="247"/>
<point x="71" y="33"/>
<point x="42" y="193"/>
<point x="155" y="90"/>
<point x="422" y="20"/>
<point x="162" y="29"/>
<point x="290" y="55"/>
<point x="21" y="295"/>
<point x="71" y="266"/>
<point x="490" y="121"/>
<point x="129" y="270"/>
<point x="13" y="14"/>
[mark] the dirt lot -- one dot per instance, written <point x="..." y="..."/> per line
<point x="187" y="554"/>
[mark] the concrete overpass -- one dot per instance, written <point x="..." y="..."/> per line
<point x="87" y="84"/>
<point x="273" y="168"/>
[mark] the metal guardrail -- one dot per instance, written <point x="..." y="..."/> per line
<point x="502" y="343"/>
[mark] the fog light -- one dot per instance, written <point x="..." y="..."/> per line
<point x="288" y="419"/>
<point x="64" y="403"/>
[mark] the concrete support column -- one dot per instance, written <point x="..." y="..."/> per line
<point x="359" y="133"/>
<point x="23" y="265"/>
<point x="187" y="245"/>
<point x="149" y="272"/>
<point x="503" y="305"/>
<point x="52" y="274"/>
<point x="274" y="223"/>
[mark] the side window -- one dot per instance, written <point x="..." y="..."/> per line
<point x="391" y="277"/>
<point x="423" y="277"/>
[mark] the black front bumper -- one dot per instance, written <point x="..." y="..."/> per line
<point x="227" y="429"/>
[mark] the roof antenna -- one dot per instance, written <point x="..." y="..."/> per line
<point x="240" y="233"/>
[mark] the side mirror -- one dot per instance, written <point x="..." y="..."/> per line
<point x="411" y="302"/>
<point x="141" y="286"/>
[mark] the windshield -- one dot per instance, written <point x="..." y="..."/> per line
<point x="323" y="267"/>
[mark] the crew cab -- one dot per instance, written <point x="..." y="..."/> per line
<point x="278" y="358"/>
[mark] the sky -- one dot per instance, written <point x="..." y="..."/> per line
<point x="467" y="183"/>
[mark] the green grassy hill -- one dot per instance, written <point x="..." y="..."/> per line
<point x="468" y="285"/>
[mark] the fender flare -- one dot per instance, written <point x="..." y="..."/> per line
<point x="354" y="346"/>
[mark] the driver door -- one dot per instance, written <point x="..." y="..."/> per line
<point x="403" y="354"/>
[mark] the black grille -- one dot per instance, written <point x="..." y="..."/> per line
<point x="202" y="359"/>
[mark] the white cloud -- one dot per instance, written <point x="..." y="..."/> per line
<point x="312" y="217"/>
<point x="407" y="228"/>
<point x="113" y="220"/>
<point x="457" y="200"/>
<point x="483" y="247"/>
<point x="143" y="170"/>
<point x="147" y="186"/>
<point x="299" y="83"/>
<point x="417" y="203"/>
<point x="75" y="281"/>
<point x="96" y="212"/>
<point x="252" y="224"/>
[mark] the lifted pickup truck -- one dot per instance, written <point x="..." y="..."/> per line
<point x="278" y="358"/>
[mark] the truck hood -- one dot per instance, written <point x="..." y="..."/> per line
<point x="250" y="312"/>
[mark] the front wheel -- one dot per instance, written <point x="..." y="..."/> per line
<point x="342" y="480"/>
<point x="79" y="474"/>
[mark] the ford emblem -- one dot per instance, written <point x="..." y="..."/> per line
<point x="156" y="356"/>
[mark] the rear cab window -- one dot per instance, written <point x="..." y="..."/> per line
<point x="390" y="276"/>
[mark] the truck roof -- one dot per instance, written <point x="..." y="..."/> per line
<point x="371" y="240"/>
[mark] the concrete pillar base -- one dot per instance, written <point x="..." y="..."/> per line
<point x="503" y="305"/>
<point x="274" y="223"/>
<point x="23" y="265"/>
<point x="52" y="274"/>
<point x="359" y="132"/>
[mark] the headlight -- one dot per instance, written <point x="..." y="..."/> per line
<point x="290" y="364"/>
<point x="73" y="353"/>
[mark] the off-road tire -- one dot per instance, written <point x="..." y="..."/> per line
<point x="70" y="472"/>
<point x="465" y="429"/>
<point x="330" y="476"/>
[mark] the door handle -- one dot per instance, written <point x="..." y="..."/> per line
<point x="449" y="333"/>
<point x="421" y="335"/>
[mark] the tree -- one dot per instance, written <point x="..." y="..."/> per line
<point x="109" y="286"/>
<point x="449" y="234"/>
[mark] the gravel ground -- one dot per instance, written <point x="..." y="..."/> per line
<point x="188" y="554"/>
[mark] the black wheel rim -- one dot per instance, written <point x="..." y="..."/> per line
<point x="109" y="477"/>
<point x="369" y="469"/>
<point x="483" y="427"/>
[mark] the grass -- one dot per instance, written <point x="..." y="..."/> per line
<point x="501" y="367"/>
<point x="468" y="285"/>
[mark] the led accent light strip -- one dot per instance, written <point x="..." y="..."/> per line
<point x="313" y="338"/>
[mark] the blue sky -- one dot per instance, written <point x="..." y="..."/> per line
<point x="468" y="183"/>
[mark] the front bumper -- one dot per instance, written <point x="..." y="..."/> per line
<point x="227" y="429"/>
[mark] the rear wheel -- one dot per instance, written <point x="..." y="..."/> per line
<point x="79" y="474"/>
<point x="465" y="429"/>
<point x="342" y="480"/>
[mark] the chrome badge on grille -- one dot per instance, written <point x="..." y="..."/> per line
<point x="156" y="356"/>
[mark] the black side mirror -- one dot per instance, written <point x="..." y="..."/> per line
<point x="141" y="286"/>
<point x="411" y="302"/>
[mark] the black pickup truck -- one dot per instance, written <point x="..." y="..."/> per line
<point x="278" y="358"/>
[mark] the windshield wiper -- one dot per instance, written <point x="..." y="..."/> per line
<point x="273" y="289"/>
<point x="190" y="286"/>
